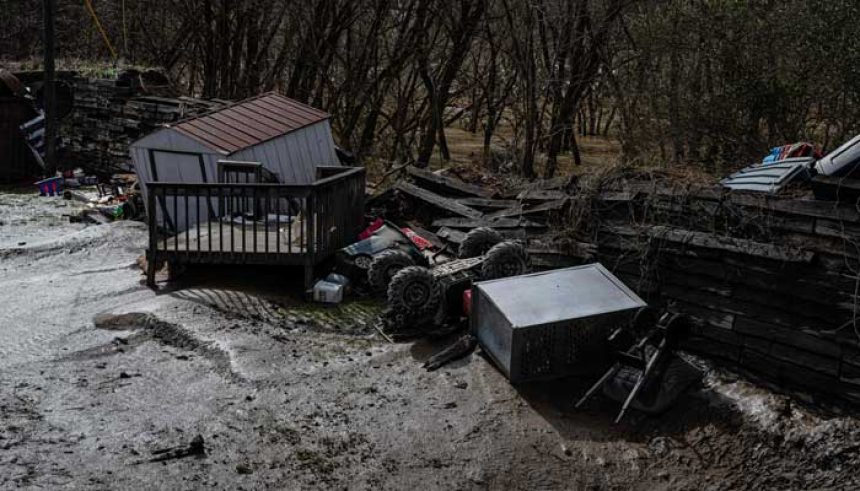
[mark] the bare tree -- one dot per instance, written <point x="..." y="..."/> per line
<point x="456" y="31"/>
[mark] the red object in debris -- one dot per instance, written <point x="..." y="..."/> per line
<point x="420" y="242"/>
<point x="374" y="226"/>
<point x="799" y="149"/>
<point x="467" y="302"/>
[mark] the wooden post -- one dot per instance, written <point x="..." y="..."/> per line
<point x="49" y="90"/>
<point x="153" y="239"/>
<point x="310" y="246"/>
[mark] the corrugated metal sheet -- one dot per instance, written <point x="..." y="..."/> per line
<point x="250" y="122"/>
<point x="768" y="178"/>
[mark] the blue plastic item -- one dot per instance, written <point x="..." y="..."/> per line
<point x="773" y="156"/>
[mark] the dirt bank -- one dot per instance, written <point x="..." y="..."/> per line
<point x="297" y="397"/>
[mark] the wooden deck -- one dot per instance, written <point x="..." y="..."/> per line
<point x="232" y="237"/>
<point x="295" y="224"/>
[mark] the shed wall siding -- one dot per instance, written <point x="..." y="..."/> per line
<point x="296" y="155"/>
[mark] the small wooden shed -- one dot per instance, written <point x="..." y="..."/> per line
<point x="285" y="201"/>
<point x="288" y="138"/>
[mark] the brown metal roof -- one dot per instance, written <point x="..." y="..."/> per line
<point x="249" y="122"/>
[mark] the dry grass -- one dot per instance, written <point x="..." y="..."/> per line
<point x="466" y="147"/>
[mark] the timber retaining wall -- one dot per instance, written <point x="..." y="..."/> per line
<point x="770" y="283"/>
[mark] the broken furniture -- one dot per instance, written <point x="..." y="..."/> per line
<point x="550" y="324"/>
<point x="647" y="358"/>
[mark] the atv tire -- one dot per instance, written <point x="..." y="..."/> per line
<point x="415" y="294"/>
<point x="505" y="259"/>
<point x="384" y="266"/>
<point x="478" y="241"/>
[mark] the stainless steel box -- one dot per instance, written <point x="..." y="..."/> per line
<point x="550" y="324"/>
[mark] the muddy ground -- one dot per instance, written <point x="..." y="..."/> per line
<point x="97" y="372"/>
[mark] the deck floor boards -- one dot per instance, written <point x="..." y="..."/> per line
<point x="229" y="238"/>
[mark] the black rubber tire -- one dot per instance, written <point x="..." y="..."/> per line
<point x="385" y="265"/>
<point x="415" y="294"/>
<point x="505" y="259"/>
<point x="478" y="241"/>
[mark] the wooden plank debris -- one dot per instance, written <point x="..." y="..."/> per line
<point x="563" y="183"/>
<point x="495" y="223"/>
<point x="838" y="189"/>
<point x="484" y="203"/>
<point x="521" y="210"/>
<point x="729" y="244"/>
<point x="722" y="244"/>
<point x="437" y="201"/>
<point x="541" y="195"/>
<point x="447" y="185"/>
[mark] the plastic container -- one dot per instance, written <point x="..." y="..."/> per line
<point x="328" y="292"/>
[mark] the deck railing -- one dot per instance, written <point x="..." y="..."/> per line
<point x="242" y="223"/>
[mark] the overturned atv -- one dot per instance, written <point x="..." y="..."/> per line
<point x="420" y="297"/>
<point x="376" y="259"/>
<point x="386" y="264"/>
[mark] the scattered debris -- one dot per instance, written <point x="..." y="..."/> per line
<point x="195" y="447"/>
<point x="447" y="185"/>
<point x="463" y="346"/>
<point x="437" y="201"/>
